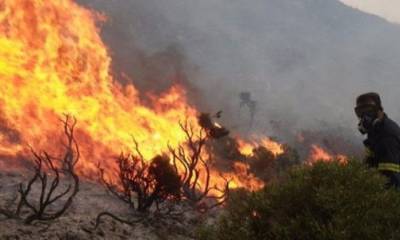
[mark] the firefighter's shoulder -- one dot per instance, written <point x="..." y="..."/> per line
<point x="391" y="128"/>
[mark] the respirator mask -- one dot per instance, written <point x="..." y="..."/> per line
<point x="368" y="115"/>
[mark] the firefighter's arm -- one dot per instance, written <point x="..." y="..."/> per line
<point x="389" y="159"/>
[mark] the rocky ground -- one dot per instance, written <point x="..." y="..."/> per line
<point x="79" y="221"/>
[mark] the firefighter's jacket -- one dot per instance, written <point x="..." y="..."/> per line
<point x="383" y="150"/>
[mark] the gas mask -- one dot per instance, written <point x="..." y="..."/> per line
<point x="368" y="116"/>
<point x="367" y="123"/>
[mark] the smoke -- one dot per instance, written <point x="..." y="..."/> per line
<point x="303" y="61"/>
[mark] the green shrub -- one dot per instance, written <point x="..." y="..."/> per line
<point x="323" y="201"/>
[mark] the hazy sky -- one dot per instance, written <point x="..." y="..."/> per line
<point x="389" y="9"/>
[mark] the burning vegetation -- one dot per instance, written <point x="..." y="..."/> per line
<point x="50" y="174"/>
<point x="149" y="153"/>
<point x="49" y="67"/>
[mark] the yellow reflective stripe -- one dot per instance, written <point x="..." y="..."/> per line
<point x="393" y="167"/>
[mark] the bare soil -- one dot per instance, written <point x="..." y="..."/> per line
<point x="79" y="221"/>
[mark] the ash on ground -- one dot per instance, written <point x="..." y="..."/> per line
<point x="79" y="221"/>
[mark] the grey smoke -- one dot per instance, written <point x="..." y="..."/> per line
<point x="304" y="61"/>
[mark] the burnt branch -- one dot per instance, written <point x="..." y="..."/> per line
<point x="192" y="161"/>
<point x="50" y="175"/>
<point x="144" y="186"/>
<point x="116" y="218"/>
<point x="187" y="159"/>
<point x="224" y="195"/>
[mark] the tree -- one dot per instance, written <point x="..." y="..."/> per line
<point x="323" y="201"/>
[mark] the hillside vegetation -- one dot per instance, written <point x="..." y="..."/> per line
<point x="323" y="201"/>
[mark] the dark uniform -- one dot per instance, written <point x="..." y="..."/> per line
<point x="383" y="137"/>
<point x="383" y="149"/>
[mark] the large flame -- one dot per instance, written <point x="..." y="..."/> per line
<point x="53" y="62"/>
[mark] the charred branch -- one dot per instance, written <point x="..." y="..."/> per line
<point x="116" y="218"/>
<point x="193" y="163"/>
<point x="51" y="174"/>
<point x="143" y="186"/>
<point x="212" y="129"/>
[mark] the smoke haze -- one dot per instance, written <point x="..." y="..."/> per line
<point x="304" y="61"/>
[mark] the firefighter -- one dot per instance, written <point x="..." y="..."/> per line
<point x="383" y="137"/>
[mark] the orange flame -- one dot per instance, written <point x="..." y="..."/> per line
<point x="52" y="62"/>
<point x="243" y="178"/>
<point x="246" y="148"/>
<point x="319" y="154"/>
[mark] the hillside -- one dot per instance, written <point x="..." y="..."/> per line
<point x="304" y="60"/>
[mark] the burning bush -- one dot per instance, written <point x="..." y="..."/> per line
<point x="142" y="185"/>
<point x="167" y="179"/>
<point x="188" y="175"/>
<point x="263" y="163"/>
<point x="51" y="176"/>
<point x="194" y="162"/>
<point x="266" y="165"/>
<point x="323" y="201"/>
<point x="289" y="158"/>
